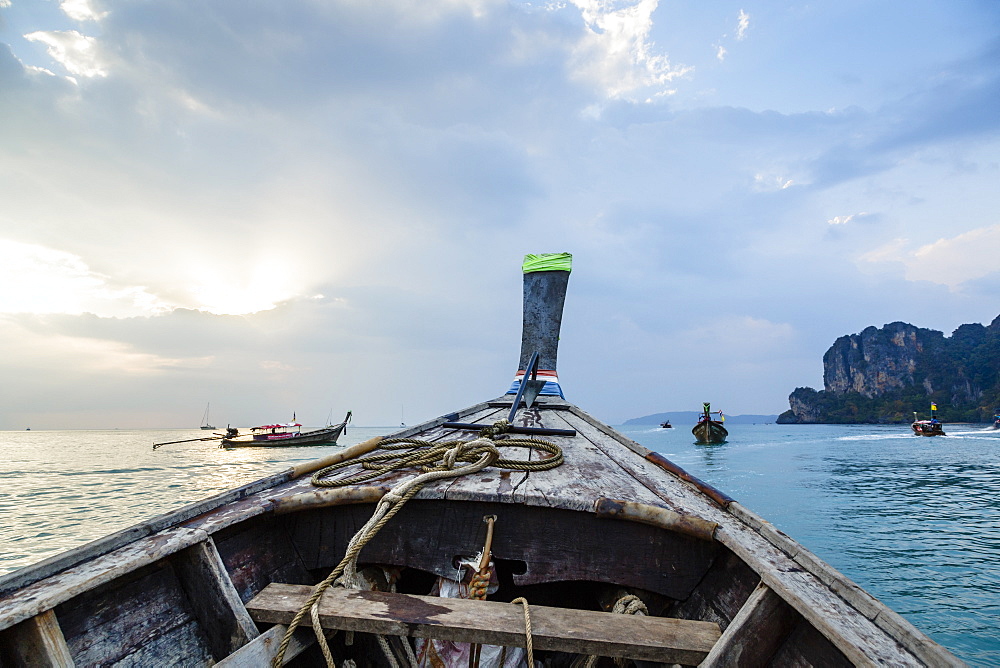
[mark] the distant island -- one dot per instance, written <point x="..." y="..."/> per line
<point x="884" y="375"/>
<point x="691" y="417"/>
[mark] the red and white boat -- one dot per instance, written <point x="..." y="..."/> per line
<point x="283" y="434"/>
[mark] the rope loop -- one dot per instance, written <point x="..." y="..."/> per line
<point x="427" y="456"/>
<point x="435" y="461"/>
<point x="630" y="604"/>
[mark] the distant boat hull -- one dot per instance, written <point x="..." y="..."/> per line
<point x="325" y="436"/>
<point x="318" y="437"/>
<point x="709" y="432"/>
<point x="927" y="428"/>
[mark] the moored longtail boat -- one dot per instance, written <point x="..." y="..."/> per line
<point x="283" y="435"/>
<point x="553" y="517"/>
<point x="708" y="431"/>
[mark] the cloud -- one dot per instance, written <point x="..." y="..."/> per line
<point x="844" y="220"/>
<point x="78" y="53"/>
<point x="617" y="53"/>
<point x="43" y="280"/>
<point x="178" y="214"/>
<point x="742" y="25"/>
<point x="952" y="262"/>
<point x="81" y="10"/>
<point x="765" y="182"/>
<point x="956" y="260"/>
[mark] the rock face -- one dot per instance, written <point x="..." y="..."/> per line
<point x="875" y="361"/>
<point x="883" y="375"/>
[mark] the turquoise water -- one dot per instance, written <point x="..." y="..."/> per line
<point x="915" y="521"/>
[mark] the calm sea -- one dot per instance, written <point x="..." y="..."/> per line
<point x="915" y="521"/>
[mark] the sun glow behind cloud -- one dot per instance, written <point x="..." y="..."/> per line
<point x="231" y="168"/>
<point x="262" y="285"/>
<point x="41" y="280"/>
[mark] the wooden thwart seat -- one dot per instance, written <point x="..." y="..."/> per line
<point x="493" y="623"/>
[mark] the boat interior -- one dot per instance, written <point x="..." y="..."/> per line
<point x="614" y="521"/>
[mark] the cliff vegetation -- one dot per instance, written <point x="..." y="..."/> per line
<point x="884" y="375"/>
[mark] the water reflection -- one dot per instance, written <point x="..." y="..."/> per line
<point x="713" y="455"/>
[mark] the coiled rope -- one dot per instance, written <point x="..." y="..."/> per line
<point x="436" y="461"/>
<point x="630" y="604"/>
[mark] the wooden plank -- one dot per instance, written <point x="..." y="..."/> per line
<point x="23" y="577"/>
<point x="144" y="613"/>
<point x="587" y="475"/>
<point x="495" y="623"/>
<point x="554" y="544"/>
<point x="806" y="646"/>
<point x="214" y="600"/>
<point x="47" y="594"/>
<point x="491" y="484"/>
<point x="863" y="642"/>
<point x="672" y="492"/>
<point x="261" y="650"/>
<point x="259" y="552"/>
<point x="885" y="618"/>
<point x="721" y="594"/>
<point x="36" y="642"/>
<point x="833" y="585"/>
<point x="755" y="634"/>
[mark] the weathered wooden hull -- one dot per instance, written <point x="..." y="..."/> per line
<point x="217" y="581"/>
<point x="317" y="437"/>
<point x="710" y="432"/>
<point x="614" y="516"/>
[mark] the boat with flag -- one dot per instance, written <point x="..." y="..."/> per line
<point x="708" y="430"/>
<point x="519" y="530"/>
<point x="929" y="427"/>
<point x="283" y="434"/>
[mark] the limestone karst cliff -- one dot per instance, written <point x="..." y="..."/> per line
<point x="885" y="374"/>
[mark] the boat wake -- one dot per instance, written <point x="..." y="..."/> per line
<point x="874" y="437"/>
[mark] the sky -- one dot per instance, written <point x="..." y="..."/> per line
<point x="314" y="206"/>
